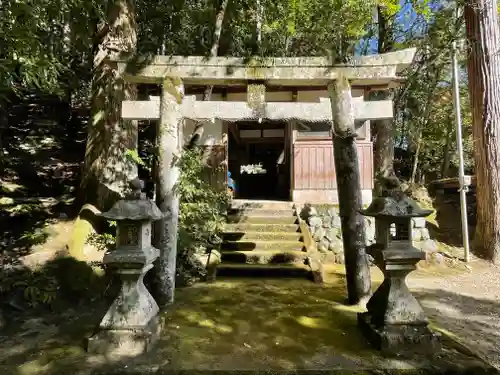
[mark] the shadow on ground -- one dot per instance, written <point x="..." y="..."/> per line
<point x="40" y="166"/>
<point x="446" y="224"/>
<point x="231" y="325"/>
<point x="474" y="320"/>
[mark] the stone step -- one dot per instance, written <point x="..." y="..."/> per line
<point x="262" y="236"/>
<point x="253" y="227"/>
<point x="260" y="212"/>
<point x="263" y="245"/>
<point x="264" y="257"/>
<point x="267" y="270"/>
<point x="266" y="205"/>
<point x="262" y="219"/>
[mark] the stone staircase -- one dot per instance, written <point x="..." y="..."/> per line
<point x="263" y="238"/>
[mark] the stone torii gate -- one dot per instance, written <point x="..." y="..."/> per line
<point x="370" y="73"/>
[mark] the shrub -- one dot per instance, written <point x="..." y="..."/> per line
<point x="202" y="215"/>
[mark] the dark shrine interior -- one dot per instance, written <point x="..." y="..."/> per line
<point x="267" y="145"/>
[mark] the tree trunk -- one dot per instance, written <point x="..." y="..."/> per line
<point x="383" y="152"/>
<point x="349" y="192"/>
<point x="107" y="170"/>
<point x="168" y="142"/>
<point x="219" y="20"/>
<point x="414" y="168"/>
<point x="481" y="19"/>
<point x="445" y="167"/>
<point x="258" y="26"/>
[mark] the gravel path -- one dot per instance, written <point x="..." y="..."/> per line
<point x="467" y="305"/>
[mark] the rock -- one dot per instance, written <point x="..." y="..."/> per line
<point x="323" y="245"/>
<point x="336" y="222"/>
<point x="424" y="233"/>
<point x="322" y="248"/>
<point x="329" y="258"/>
<point x="336" y="247"/>
<point x="332" y="212"/>
<point x="339" y="258"/>
<point x="331" y="234"/>
<point x="416" y="235"/>
<point x="315" y="221"/>
<point x="327" y="222"/>
<point x="419" y="222"/>
<point x="319" y="233"/>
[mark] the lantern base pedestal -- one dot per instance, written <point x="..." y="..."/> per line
<point x="125" y="342"/>
<point x="394" y="340"/>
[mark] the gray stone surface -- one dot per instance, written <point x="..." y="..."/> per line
<point x="126" y="342"/>
<point x="130" y="326"/>
<point x="379" y="68"/>
<point x="398" y="340"/>
<point x="395" y="322"/>
<point x="325" y="226"/>
<point x="419" y="222"/>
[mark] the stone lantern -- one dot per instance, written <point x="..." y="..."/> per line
<point x="395" y="322"/>
<point x="131" y="324"/>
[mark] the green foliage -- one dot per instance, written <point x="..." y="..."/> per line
<point x="105" y="240"/>
<point x="133" y="155"/>
<point x="202" y="213"/>
<point x="40" y="41"/>
<point x="424" y="106"/>
<point x="60" y="280"/>
<point x="36" y="288"/>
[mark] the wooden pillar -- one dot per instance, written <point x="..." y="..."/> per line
<point x="169" y="149"/>
<point x="349" y="191"/>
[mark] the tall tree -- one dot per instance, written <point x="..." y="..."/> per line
<point x="107" y="168"/>
<point x="219" y="20"/>
<point x="483" y="34"/>
<point x="383" y="129"/>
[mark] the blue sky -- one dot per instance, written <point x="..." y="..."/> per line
<point x="405" y="18"/>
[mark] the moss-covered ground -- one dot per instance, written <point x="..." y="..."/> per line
<point x="231" y="325"/>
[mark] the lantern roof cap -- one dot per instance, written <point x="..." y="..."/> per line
<point x="395" y="204"/>
<point x="135" y="206"/>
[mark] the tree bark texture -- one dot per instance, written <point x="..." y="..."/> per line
<point x="168" y="142"/>
<point x="107" y="170"/>
<point x="481" y="19"/>
<point x="414" y="168"/>
<point x="383" y="151"/>
<point x="445" y="167"/>
<point x="349" y="192"/>
<point x="219" y="20"/>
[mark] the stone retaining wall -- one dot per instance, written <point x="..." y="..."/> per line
<point x="325" y="226"/>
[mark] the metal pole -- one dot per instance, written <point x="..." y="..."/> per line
<point x="464" y="188"/>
